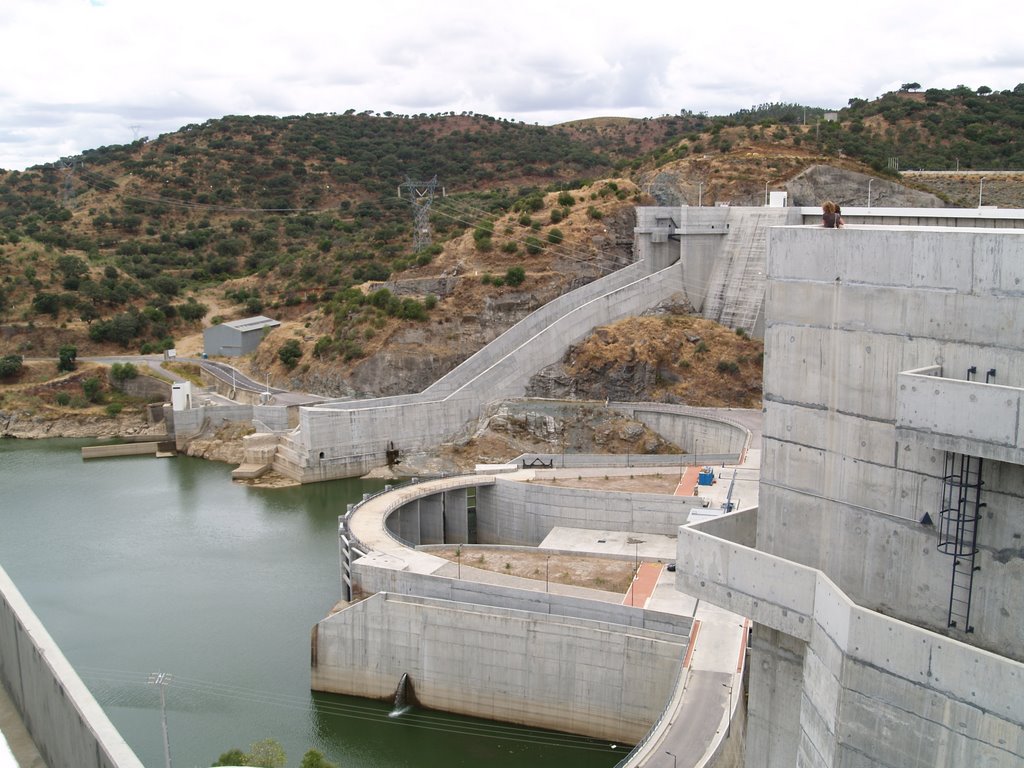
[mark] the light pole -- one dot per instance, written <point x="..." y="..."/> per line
<point x="728" y="713"/>
<point x="547" y="569"/>
<point x="162" y="680"/>
<point x="981" y="186"/>
<point x="766" y="194"/>
<point x="673" y="758"/>
<point x="869" y="192"/>
<point x="700" y="193"/>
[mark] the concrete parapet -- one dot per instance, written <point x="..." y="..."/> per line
<point x="120" y="449"/>
<point x="586" y="677"/>
<point x="67" y="725"/>
<point x="885" y="676"/>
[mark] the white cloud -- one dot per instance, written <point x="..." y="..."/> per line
<point x="80" y="73"/>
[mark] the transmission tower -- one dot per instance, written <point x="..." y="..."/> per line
<point x="421" y="195"/>
<point x="67" y="166"/>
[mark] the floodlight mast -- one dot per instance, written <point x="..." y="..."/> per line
<point x="421" y="195"/>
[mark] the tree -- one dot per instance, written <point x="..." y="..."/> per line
<point x="10" y="365"/>
<point x="66" y="358"/>
<point x="910" y="87"/>
<point x="290" y="353"/>
<point x="515" y="276"/>
<point x="121" y="372"/>
<point x="232" y="757"/>
<point x="267" y="753"/>
<point x="313" y="759"/>
<point x="91" y="387"/>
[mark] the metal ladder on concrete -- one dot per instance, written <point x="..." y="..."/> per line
<point x="958" y="528"/>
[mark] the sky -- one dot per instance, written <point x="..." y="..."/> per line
<point x="81" y="74"/>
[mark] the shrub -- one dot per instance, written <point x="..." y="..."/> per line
<point x="728" y="366"/>
<point x="114" y="408"/>
<point x="121" y="372"/>
<point x="566" y="199"/>
<point x="556" y="215"/>
<point x="510" y="247"/>
<point x="515" y="276"/>
<point x="290" y="353"/>
<point x="66" y="358"/>
<point x="91" y="388"/>
<point x="555" y="236"/>
<point x="10" y="365"/>
<point x="62" y="398"/>
<point x="533" y="245"/>
<point x="594" y="213"/>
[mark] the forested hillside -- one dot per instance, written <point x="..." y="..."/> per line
<point x="135" y="247"/>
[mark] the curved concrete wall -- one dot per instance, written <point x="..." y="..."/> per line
<point x="67" y="725"/>
<point x="511" y="512"/>
<point x="586" y="677"/>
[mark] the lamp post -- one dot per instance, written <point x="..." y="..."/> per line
<point x="700" y="193"/>
<point x="981" y="186"/>
<point x="766" y="194"/>
<point x="728" y="713"/>
<point x="869" y="192"/>
<point x="547" y="568"/>
<point x="673" y="758"/>
<point x="161" y="680"/>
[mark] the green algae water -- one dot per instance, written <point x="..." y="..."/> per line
<point x="139" y="565"/>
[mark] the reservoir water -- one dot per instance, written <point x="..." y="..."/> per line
<point x="140" y="565"/>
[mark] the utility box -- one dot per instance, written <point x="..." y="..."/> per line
<point x="706" y="476"/>
<point x="778" y="199"/>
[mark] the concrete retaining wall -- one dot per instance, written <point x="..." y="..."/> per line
<point x="585" y="677"/>
<point x="371" y="575"/>
<point x="511" y="512"/>
<point x="67" y="725"/>
<point x="329" y="436"/>
<point x="908" y="697"/>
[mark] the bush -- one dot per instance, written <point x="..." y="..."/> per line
<point x="121" y="372"/>
<point x="556" y="215"/>
<point x="114" y="408"/>
<point x="728" y="366"/>
<point x="62" y="398"/>
<point x="533" y="245"/>
<point x="566" y="199"/>
<point x="594" y="213"/>
<point x="290" y="353"/>
<point x="555" y="236"/>
<point x="515" y="276"/>
<point x="66" y="358"/>
<point x="92" y="387"/>
<point x="10" y="365"/>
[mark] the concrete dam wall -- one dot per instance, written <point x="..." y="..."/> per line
<point x="67" y="725"/>
<point x="585" y="677"/>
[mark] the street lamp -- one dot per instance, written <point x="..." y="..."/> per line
<point x="673" y="758"/>
<point x="162" y="680"/>
<point x="869" y="192"/>
<point x="766" y="194"/>
<point x="728" y="714"/>
<point x="700" y="193"/>
<point x="981" y="186"/>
